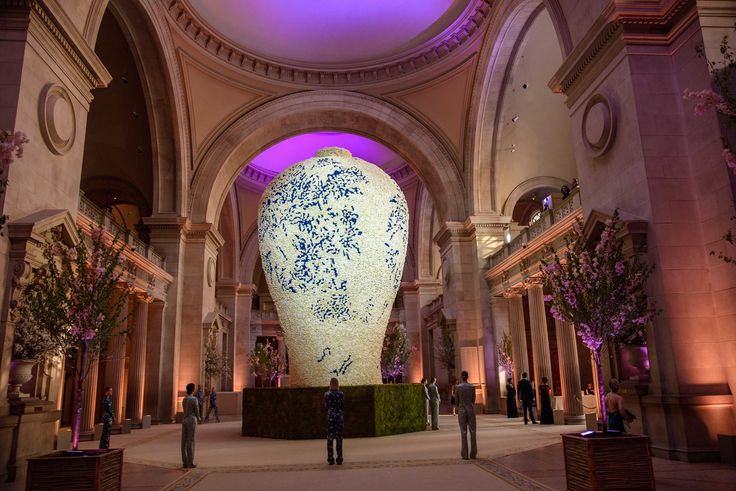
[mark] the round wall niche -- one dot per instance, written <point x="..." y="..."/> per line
<point x="599" y="125"/>
<point x="57" y="119"/>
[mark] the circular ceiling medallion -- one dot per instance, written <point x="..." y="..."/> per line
<point x="599" y="125"/>
<point x="56" y="118"/>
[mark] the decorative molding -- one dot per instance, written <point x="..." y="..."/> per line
<point x="467" y="28"/>
<point x="623" y="22"/>
<point x="52" y="104"/>
<point x="598" y="145"/>
<point x="60" y="31"/>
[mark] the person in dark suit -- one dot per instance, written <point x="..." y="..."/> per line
<point x="546" y="416"/>
<point x="335" y="404"/>
<point x="188" y="427"/>
<point x="512" y="411"/>
<point x="465" y="394"/>
<point x="526" y="396"/>
<point x="426" y="402"/>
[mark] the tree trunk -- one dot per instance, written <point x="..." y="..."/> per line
<point x="79" y="378"/>
<point x="601" y="388"/>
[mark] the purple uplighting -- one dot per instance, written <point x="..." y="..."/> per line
<point x="301" y="147"/>
<point x="329" y="31"/>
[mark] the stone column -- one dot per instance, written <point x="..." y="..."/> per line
<point x="89" y="397"/>
<point x="167" y="236"/>
<point x="242" y="338"/>
<point x="137" y="368"/>
<point x="412" y="312"/>
<point x="567" y="351"/>
<point x="540" y="337"/>
<point x="115" y="363"/>
<point x="517" y="328"/>
<point x="155" y="332"/>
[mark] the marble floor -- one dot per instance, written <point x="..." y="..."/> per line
<point x="511" y="456"/>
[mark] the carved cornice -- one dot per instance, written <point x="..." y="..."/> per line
<point x="475" y="18"/>
<point x="55" y="31"/>
<point x="206" y="232"/>
<point x="623" y="22"/>
<point x="453" y="232"/>
<point x="262" y="178"/>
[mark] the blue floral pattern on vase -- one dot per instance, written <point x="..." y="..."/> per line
<point x="333" y="233"/>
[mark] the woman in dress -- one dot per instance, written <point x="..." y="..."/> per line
<point x="512" y="410"/>
<point x="546" y="417"/>
<point x="615" y="410"/>
<point x="108" y="416"/>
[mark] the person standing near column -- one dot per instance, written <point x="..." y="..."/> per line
<point x="465" y="394"/>
<point x="200" y="400"/>
<point x="108" y="416"/>
<point x="213" y="406"/>
<point x="434" y="403"/>
<point x="334" y="400"/>
<point x="526" y="396"/>
<point x="188" y="427"/>
<point x="426" y="402"/>
<point x="511" y="409"/>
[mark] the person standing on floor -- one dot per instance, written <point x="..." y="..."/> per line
<point x="546" y="417"/>
<point x="426" y="402"/>
<point x="335" y="402"/>
<point x="200" y="400"/>
<point x="512" y="411"/>
<point x="108" y="416"/>
<point x="188" y="427"/>
<point x="465" y="395"/>
<point x="213" y="406"/>
<point x="434" y="403"/>
<point x="526" y="396"/>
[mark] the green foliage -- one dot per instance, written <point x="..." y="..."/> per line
<point x="215" y="363"/>
<point x="505" y="355"/>
<point x="299" y="413"/>
<point x="446" y="353"/>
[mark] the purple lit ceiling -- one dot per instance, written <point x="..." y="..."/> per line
<point x="301" y="147"/>
<point x="329" y="32"/>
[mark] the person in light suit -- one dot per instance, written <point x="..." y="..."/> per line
<point x="465" y="395"/>
<point x="434" y="403"/>
<point x="426" y="402"/>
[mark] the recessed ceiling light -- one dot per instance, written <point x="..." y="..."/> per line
<point x="525" y="86"/>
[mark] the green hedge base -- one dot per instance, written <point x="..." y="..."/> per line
<point x="299" y="413"/>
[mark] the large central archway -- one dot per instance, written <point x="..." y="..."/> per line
<point x="318" y="111"/>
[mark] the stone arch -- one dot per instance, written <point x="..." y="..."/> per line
<point x="531" y="185"/>
<point x="249" y="256"/>
<point x="228" y="227"/>
<point x="498" y="52"/>
<point x="145" y="27"/>
<point x="425" y="233"/>
<point x="319" y="111"/>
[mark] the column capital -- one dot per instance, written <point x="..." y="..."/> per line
<point x="246" y="289"/>
<point x="143" y="297"/>
<point x="227" y="288"/>
<point x="516" y="291"/>
<point x="409" y="286"/>
<point x="453" y="232"/>
<point x="205" y="232"/>
<point x="533" y="281"/>
<point x="167" y="227"/>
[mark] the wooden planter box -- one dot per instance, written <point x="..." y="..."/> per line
<point x="96" y="470"/>
<point x="608" y="462"/>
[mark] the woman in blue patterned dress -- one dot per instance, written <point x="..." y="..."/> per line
<point x="334" y="400"/>
<point x="108" y="416"/>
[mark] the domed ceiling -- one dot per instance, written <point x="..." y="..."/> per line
<point x="331" y="33"/>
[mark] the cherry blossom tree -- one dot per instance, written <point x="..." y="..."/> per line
<point x="601" y="291"/>
<point x="77" y="299"/>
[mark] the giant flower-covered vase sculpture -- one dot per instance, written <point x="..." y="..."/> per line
<point x="333" y="232"/>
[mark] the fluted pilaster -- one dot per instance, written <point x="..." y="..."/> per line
<point x="567" y="352"/>
<point x="517" y="326"/>
<point x="89" y="396"/>
<point x="115" y="364"/>
<point x="137" y="369"/>
<point x="540" y="337"/>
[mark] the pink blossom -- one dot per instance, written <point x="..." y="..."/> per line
<point x="11" y="142"/>
<point x="548" y="298"/>
<point x="619" y="267"/>
<point x="706" y="99"/>
<point x="96" y="233"/>
<point x="89" y="335"/>
<point x="71" y="253"/>
<point x="121" y="259"/>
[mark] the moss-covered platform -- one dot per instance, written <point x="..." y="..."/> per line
<point x="300" y="414"/>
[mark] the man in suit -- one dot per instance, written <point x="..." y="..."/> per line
<point x="465" y="395"/>
<point x="188" y="427"/>
<point x="426" y="402"/>
<point x="526" y="396"/>
<point x="434" y="403"/>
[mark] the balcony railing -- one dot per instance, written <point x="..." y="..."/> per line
<point x="545" y="221"/>
<point x="97" y="215"/>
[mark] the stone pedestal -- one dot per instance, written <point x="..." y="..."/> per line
<point x="34" y="424"/>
